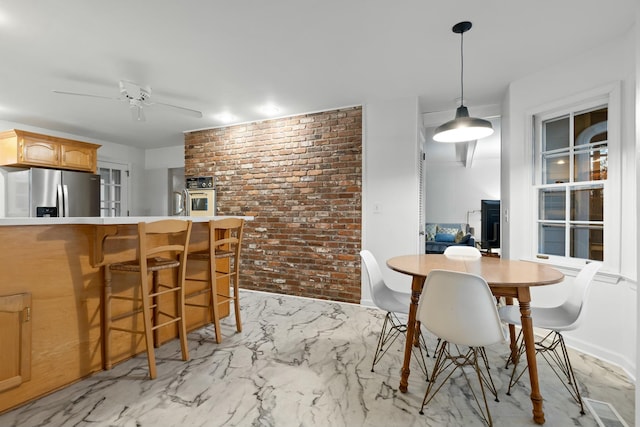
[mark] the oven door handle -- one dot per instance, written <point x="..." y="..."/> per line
<point x="187" y="202"/>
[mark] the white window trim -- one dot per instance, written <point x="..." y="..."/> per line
<point x="611" y="95"/>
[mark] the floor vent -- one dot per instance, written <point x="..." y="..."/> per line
<point x="604" y="413"/>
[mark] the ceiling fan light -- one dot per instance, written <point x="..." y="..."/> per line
<point x="270" y="109"/>
<point x="225" y="117"/>
<point x="137" y="114"/>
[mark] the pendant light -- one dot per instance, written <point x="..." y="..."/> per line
<point x="462" y="128"/>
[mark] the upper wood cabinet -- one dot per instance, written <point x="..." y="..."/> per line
<point x="21" y="148"/>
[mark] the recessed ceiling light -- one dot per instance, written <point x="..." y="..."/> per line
<point x="4" y="18"/>
<point x="270" y="109"/>
<point x="225" y="117"/>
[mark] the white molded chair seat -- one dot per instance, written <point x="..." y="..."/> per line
<point x="462" y="252"/>
<point x="394" y="303"/>
<point x="565" y="317"/>
<point x="459" y="308"/>
<point x="556" y="318"/>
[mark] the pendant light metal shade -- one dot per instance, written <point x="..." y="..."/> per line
<point x="463" y="128"/>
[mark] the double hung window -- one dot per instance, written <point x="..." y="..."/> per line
<point x="571" y="181"/>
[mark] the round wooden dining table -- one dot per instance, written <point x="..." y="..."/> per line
<point x="506" y="278"/>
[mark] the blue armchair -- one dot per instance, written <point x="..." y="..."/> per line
<point x="439" y="236"/>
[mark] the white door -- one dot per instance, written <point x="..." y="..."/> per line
<point x="114" y="189"/>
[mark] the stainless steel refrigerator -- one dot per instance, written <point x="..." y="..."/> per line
<point x="38" y="192"/>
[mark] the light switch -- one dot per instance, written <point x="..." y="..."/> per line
<point x="377" y="208"/>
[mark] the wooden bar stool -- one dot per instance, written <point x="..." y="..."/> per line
<point x="162" y="245"/>
<point x="225" y="241"/>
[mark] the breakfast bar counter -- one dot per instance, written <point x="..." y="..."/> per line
<point x="51" y="280"/>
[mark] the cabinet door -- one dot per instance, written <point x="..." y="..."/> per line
<point x="39" y="152"/>
<point x="15" y="340"/>
<point x="77" y="157"/>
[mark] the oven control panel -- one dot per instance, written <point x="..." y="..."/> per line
<point x="201" y="182"/>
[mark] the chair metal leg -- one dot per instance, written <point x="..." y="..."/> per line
<point x="445" y="360"/>
<point x="554" y="351"/>
<point x="558" y="360"/>
<point x="392" y="328"/>
<point x="421" y="353"/>
<point x="389" y="334"/>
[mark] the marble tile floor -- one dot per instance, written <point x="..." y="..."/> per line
<point x="303" y="362"/>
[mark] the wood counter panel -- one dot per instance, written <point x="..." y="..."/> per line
<point x="52" y="263"/>
<point x="55" y="263"/>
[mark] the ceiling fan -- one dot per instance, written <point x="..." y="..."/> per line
<point x="137" y="97"/>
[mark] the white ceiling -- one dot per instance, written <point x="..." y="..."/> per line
<point x="302" y="55"/>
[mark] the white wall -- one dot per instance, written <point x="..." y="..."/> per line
<point x="390" y="181"/>
<point x="610" y="328"/>
<point x="157" y="190"/>
<point x="453" y="192"/>
<point x="165" y="158"/>
<point x="637" y="162"/>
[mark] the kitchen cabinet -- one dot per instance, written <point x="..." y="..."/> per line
<point x="15" y="340"/>
<point x="22" y="148"/>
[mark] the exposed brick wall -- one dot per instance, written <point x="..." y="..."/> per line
<point x="301" y="178"/>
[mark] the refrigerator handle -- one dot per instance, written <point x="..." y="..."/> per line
<point x="59" y="201"/>
<point x="65" y="194"/>
<point x="187" y="202"/>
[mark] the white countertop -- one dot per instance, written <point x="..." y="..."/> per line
<point x="107" y="220"/>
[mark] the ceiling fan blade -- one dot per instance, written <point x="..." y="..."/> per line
<point x="189" y="111"/>
<point x="137" y="97"/>
<point x="88" y="95"/>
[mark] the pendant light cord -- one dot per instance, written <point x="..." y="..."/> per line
<point x="462" y="69"/>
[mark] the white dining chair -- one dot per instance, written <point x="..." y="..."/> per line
<point x="459" y="308"/>
<point x="462" y="252"/>
<point x="394" y="303"/>
<point x="565" y="317"/>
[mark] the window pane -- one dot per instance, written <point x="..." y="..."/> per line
<point x="556" y="134"/>
<point x="105" y="176"/>
<point x="105" y="192"/>
<point x="587" y="242"/>
<point x="590" y="127"/>
<point x="551" y="239"/>
<point x="552" y="204"/>
<point x="116" y="176"/>
<point x="556" y="169"/>
<point x="586" y="204"/>
<point x="591" y="165"/>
